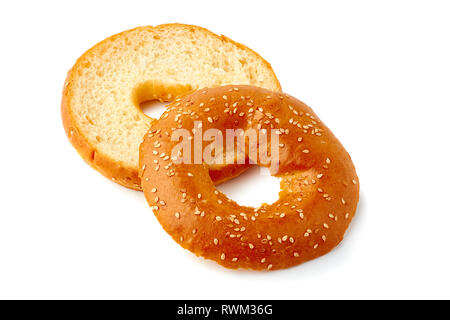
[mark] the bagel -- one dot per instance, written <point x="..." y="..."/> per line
<point x="103" y="90"/>
<point x="319" y="185"/>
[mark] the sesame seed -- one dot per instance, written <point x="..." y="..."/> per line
<point x="177" y="215"/>
<point x="222" y="256"/>
<point x="296" y="254"/>
<point x="263" y="260"/>
<point x="154" y="190"/>
<point x="216" y="241"/>
<point x="269" y="267"/>
<point x="305" y="151"/>
<point x="218" y="218"/>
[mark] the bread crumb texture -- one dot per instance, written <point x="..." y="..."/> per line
<point x="105" y="87"/>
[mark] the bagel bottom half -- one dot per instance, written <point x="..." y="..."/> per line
<point x="319" y="185"/>
<point x="103" y="91"/>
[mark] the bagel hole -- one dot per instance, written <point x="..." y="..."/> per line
<point x="153" y="108"/>
<point x="252" y="188"/>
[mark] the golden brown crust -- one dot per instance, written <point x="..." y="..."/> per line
<point x="111" y="168"/>
<point x="319" y="188"/>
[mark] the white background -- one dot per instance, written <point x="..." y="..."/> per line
<point x="376" y="72"/>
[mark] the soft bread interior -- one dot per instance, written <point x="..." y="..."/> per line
<point x="148" y="63"/>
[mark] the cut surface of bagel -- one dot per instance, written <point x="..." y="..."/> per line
<point x="103" y="90"/>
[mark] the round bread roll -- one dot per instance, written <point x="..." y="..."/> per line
<point x="319" y="185"/>
<point x="103" y="90"/>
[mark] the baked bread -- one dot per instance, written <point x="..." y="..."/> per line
<point x="103" y="90"/>
<point x="319" y="186"/>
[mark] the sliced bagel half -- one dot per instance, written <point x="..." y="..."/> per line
<point x="104" y="89"/>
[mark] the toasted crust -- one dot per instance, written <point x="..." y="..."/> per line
<point x="120" y="171"/>
<point x="319" y="186"/>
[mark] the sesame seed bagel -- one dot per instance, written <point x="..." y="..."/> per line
<point x="319" y="186"/>
<point x="103" y="90"/>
